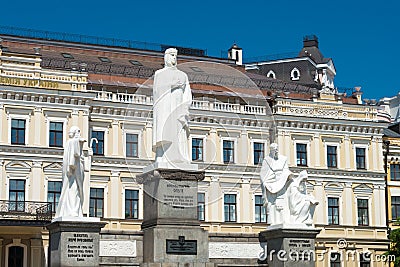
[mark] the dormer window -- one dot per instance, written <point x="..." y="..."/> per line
<point x="67" y="55"/>
<point x="295" y="74"/>
<point x="105" y="59"/>
<point x="271" y="74"/>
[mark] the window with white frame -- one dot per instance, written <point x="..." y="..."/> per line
<point x="228" y="151"/>
<point x="16" y="195"/>
<point x="360" y="158"/>
<point x="258" y="152"/>
<point x="18" y="131"/>
<point x="271" y="74"/>
<point x="333" y="210"/>
<point x="132" y="145"/>
<point x="230" y="207"/>
<point x="395" y="203"/>
<point x="98" y="147"/>
<point x="96" y="202"/>
<point x="201" y="204"/>
<point x="362" y="212"/>
<point x="197" y="149"/>
<point x="331" y="156"/>
<point x="54" y="193"/>
<point x="301" y="154"/>
<point x="295" y="74"/>
<point x="131" y="204"/>
<point x="56" y="133"/>
<point x="260" y="211"/>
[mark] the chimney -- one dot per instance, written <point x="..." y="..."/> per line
<point x="310" y="41"/>
<point x="235" y="53"/>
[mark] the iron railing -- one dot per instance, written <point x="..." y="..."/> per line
<point x="94" y="40"/>
<point x="26" y="210"/>
<point x="273" y="57"/>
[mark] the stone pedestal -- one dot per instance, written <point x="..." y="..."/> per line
<point x="294" y="247"/>
<point x="74" y="243"/>
<point x="172" y="235"/>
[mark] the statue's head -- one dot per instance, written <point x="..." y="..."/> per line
<point x="74" y="131"/>
<point x="273" y="150"/>
<point x="170" y="59"/>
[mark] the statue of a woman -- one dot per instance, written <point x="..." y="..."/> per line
<point x="71" y="199"/>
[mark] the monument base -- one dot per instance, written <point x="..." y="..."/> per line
<point x="172" y="235"/>
<point x="74" y="243"/>
<point x="294" y="247"/>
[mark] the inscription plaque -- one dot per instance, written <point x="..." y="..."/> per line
<point x="80" y="247"/>
<point x="181" y="246"/>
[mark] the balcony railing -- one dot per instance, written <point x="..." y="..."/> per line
<point x="196" y="104"/>
<point x="25" y="210"/>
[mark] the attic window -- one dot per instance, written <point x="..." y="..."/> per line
<point x="67" y="55"/>
<point x="295" y="74"/>
<point x="271" y="74"/>
<point x="135" y="62"/>
<point x="196" y="69"/>
<point x="105" y="59"/>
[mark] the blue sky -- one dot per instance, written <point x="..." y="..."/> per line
<point x="362" y="37"/>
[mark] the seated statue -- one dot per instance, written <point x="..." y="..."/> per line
<point x="302" y="205"/>
<point x="285" y="196"/>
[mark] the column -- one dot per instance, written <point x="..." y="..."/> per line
<point x="246" y="206"/>
<point x="3" y="179"/>
<point x="36" y="184"/>
<point x="213" y="153"/>
<point x="38" y="126"/>
<point x="85" y="128"/>
<point x="243" y="148"/>
<point x="347" y="154"/>
<point x="3" y="126"/>
<point x="378" y="202"/>
<point x="347" y="204"/>
<point x="74" y="117"/>
<point x="317" y="150"/>
<point x="114" y="196"/>
<point x="147" y="142"/>
<point x="214" y="200"/>
<point x="320" y="213"/>
<point x="36" y="253"/>
<point x="115" y="138"/>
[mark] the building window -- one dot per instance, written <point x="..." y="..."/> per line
<point x="335" y="259"/>
<point x="228" y="147"/>
<point x="230" y="207"/>
<point x="56" y="134"/>
<point x="362" y="208"/>
<point x="333" y="210"/>
<point x="395" y="208"/>
<point x="131" y="204"/>
<point x="96" y="206"/>
<point x="15" y="256"/>
<point x="98" y="148"/>
<point x="201" y="203"/>
<point x="360" y="158"/>
<point x="301" y="150"/>
<point x="17" y="132"/>
<point x="53" y="193"/>
<point x="258" y="153"/>
<point x="395" y="172"/>
<point x="197" y="149"/>
<point x="365" y="259"/>
<point x="331" y="156"/>
<point x="271" y="74"/>
<point x="260" y="212"/>
<point x="131" y="145"/>
<point x="17" y="195"/>
<point x="295" y="74"/>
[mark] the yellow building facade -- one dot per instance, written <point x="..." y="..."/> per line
<point x="49" y="86"/>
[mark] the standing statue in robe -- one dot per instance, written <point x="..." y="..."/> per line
<point x="172" y="99"/>
<point x="71" y="199"/>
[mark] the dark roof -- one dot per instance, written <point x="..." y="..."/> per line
<point x="390" y="133"/>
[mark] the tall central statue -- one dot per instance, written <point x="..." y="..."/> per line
<point x="172" y="99"/>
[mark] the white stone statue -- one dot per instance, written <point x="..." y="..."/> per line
<point x="172" y="99"/>
<point x="284" y="195"/>
<point x="71" y="199"/>
<point x="301" y="205"/>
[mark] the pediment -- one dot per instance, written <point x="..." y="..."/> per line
<point x="334" y="187"/>
<point x="362" y="189"/>
<point x="18" y="166"/>
<point x="54" y="167"/>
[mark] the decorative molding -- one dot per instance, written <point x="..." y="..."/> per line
<point x="362" y="189"/>
<point x="118" y="248"/>
<point x="234" y="250"/>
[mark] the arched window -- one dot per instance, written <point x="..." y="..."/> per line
<point x="16" y="254"/>
<point x="295" y="74"/>
<point x="271" y="74"/>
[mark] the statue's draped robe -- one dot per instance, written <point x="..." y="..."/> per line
<point x="71" y="199"/>
<point x="275" y="178"/>
<point x="170" y="115"/>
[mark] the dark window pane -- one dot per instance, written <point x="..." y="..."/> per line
<point x="131" y="204"/>
<point x="197" y="149"/>
<point x="228" y="151"/>
<point x="301" y="150"/>
<point x="53" y="193"/>
<point x="260" y="211"/>
<point x="17" y="195"/>
<point x="132" y="145"/>
<point x="230" y="207"/>
<point x="56" y="134"/>
<point x="201" y="206"/>
<point x="332" y="156"/>
<point x="98" y="148"/>
<point x="258" y="153"/>
<point x="360" y="158"/>
<point x="17" y="132"/>
<point x="395" y="172"/>
<point x="362" y="208"/>
<point x="96" y="206"/>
